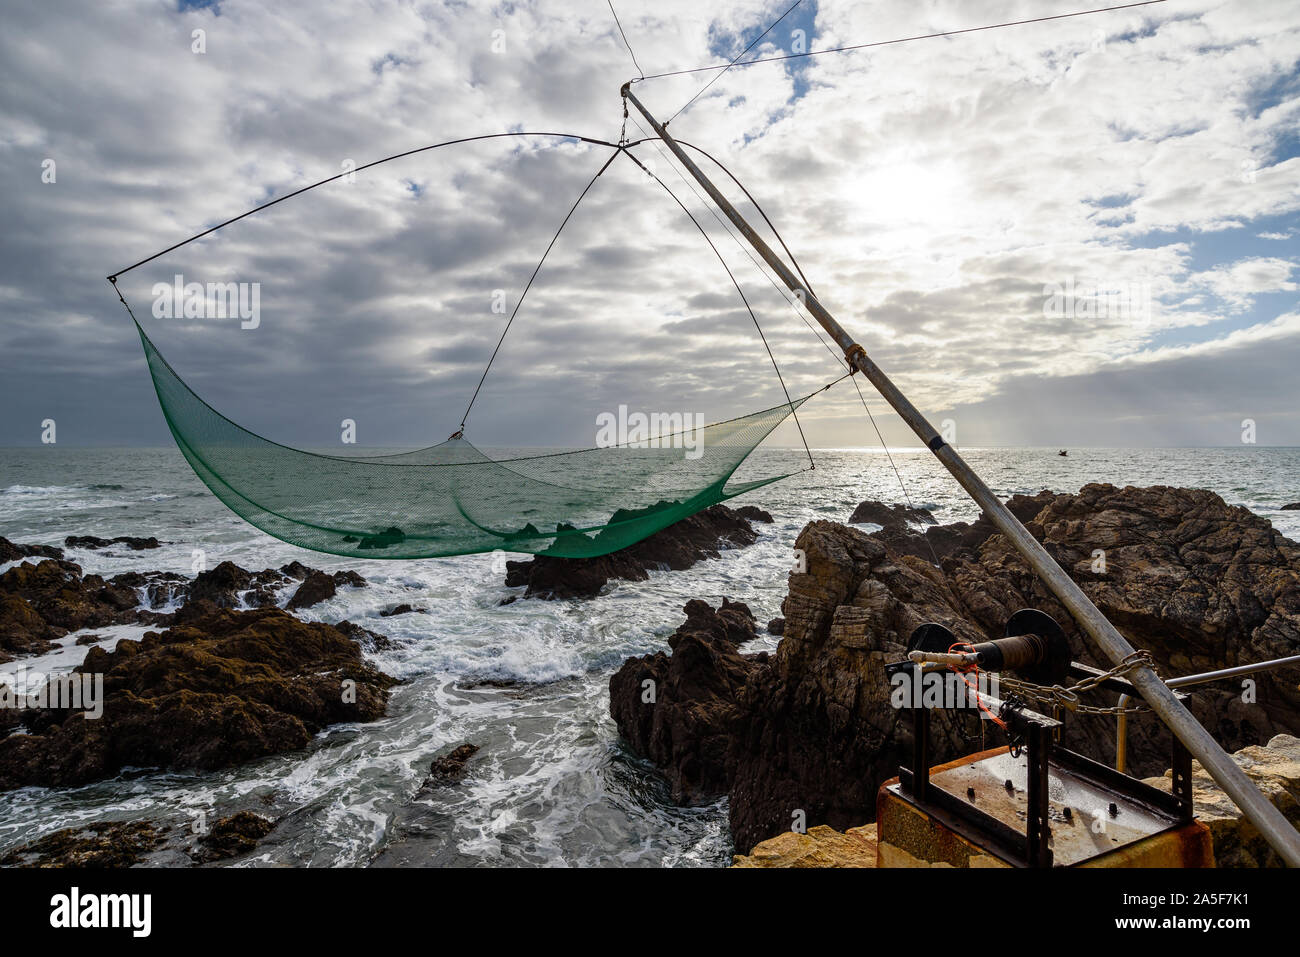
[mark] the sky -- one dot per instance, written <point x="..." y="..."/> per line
<point x="1077" y="232"/>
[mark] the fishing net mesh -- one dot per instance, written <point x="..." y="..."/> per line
<point x="452" y="499"/>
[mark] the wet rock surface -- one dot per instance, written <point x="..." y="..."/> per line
<point x="318" y="586"/>
<point x="232" y="836"/>
<point x="402" y="609"/>
<point x="94" y="542"/>
<point x="42" y="602"/>
<point x="117" y="844"/>
<point x="12" y="551"/>
<point x="229" y="586"/>
<point x="676" y="547"/>
<point x="451" y="768"/>
<point x="108" y="845"/>
<point x="890" y="516"/>
<point x="1199" y="583"/>
<point x="681" y="710"/>
<point x="217" y="688"/>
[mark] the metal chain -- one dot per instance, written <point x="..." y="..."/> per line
<point x="1068" y="698"/>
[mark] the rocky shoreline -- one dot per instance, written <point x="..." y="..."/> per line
<point x="805" y="736"/>
<point x="228" y="674"/>
<point x="681" y="545"/>
<point x="800" y="737"/>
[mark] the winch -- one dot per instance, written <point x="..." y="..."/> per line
<point x="1032" y="803"/>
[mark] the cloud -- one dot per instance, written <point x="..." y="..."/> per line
<point x="1237" y="284"/>
<point x="930" y="190"/>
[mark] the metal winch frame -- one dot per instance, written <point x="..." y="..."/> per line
<point x="1037" y="644"/>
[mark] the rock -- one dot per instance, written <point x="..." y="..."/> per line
<point x="12" y="551"/>
<point x="776" y="626"/>
<point x="349" y="577"/>
<point x="889" y="516"/>
<point x="1275" y="769"/>
<point x="111" y="844"/>
<point x="754" y="514"/>
<point x="23" y="631"/>
<point x="229" y="586"/>
<point x="820" y="847"/>
<point x="317" y="587"/>
<point x="389" y="536"/>
<point x="370" y="641"/>
<point x="233" y="836"/>
<point x="43" y="602"/>
<point x="217" y="688"/>
<point x="89" y="639"/>
<point x="91" y="541"/>
<point x="1294" y="506"/>
<point x="1200" y="584"/>
<point x="451" y="768"/>
<point x="402" y="609"/>
<point x="939" y="541"/>
<point x="157" y="589"/>
<point x="817" y="732"/>
<point x="676" y="547"/>
<point x="685" y="718"/>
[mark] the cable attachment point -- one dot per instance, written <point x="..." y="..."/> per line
<point x="851" y="355"/>
<point x="458" y="434"/>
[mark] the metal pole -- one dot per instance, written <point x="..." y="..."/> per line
<point x="1274" y="827"/>
<point x="1121" y="722"/>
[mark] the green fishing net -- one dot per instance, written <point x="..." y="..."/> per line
<point x="452" y="499"/>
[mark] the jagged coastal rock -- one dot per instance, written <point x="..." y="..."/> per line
<point x="451" y="768"/>
<point x="115" y="844"/>
<point x="680" y="710"/>
<point x="42" y="602"/>
<point x="810" y="733"/>
<point x="109" y="844"/>
<point x="12" y="551"/>
<point x="232" y="836"/>
<point x="217" y="688"/>
<point x="93" y="542"/>
<point x="889" y="516"/>
<point x="676" y="547"/>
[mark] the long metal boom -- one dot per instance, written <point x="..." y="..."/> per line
<point x="1274" y="827"/>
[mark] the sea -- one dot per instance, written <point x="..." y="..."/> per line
<point x="527" y="682"/>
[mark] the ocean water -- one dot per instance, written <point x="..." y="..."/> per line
<point x="526" y="682"/>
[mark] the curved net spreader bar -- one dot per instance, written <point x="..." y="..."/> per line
<point x="451" y="498"/>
